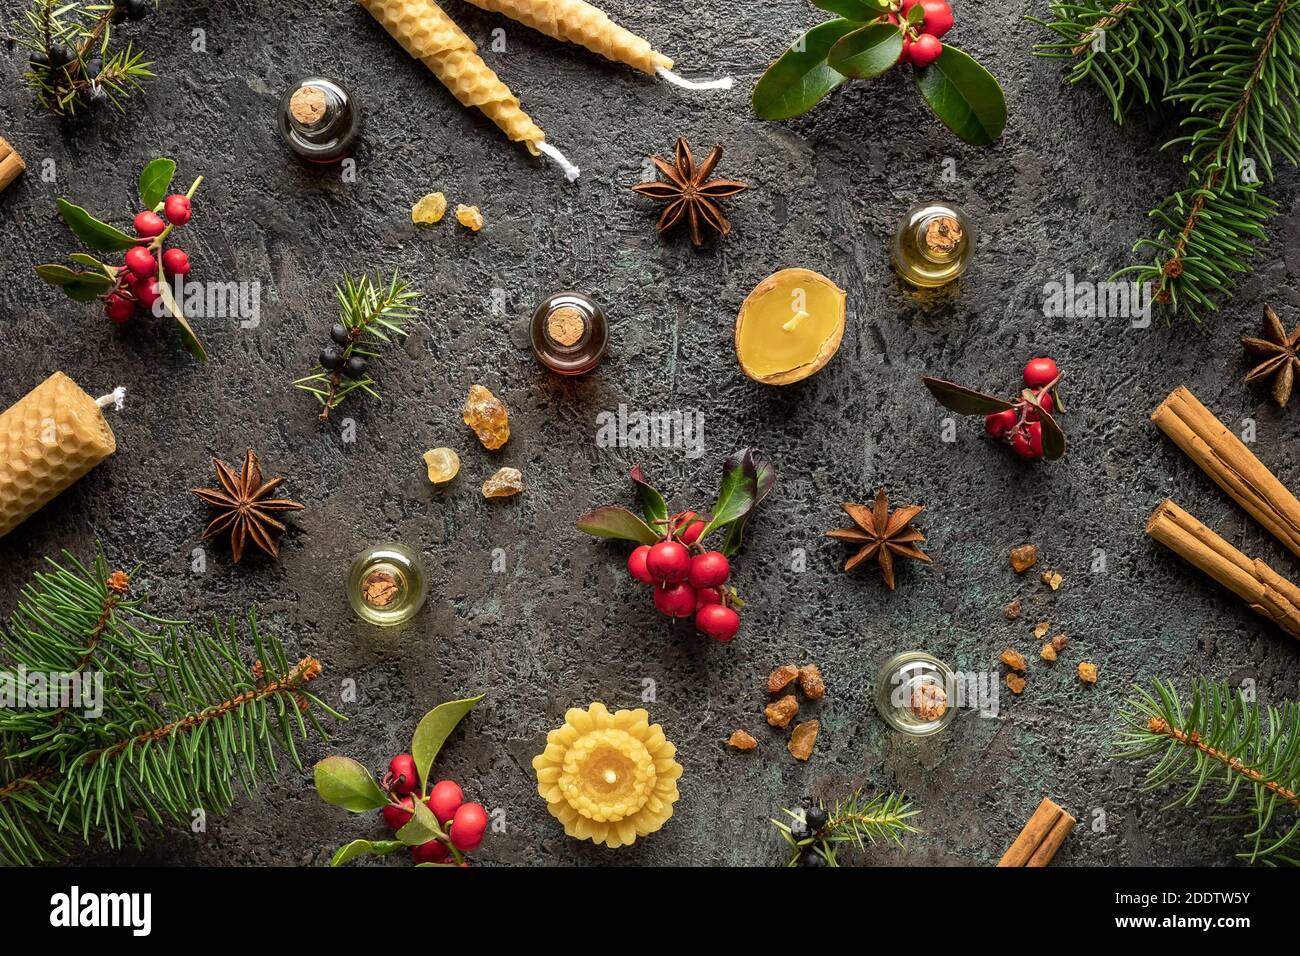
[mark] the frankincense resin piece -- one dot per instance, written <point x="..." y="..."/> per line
<point x="470" y="217"/>
<point x="429" y="209"/>
<point x="487" y="415"/>
<point x="443" y="464"/>
<point x="49" y="439"/>
<point x="506" y="482"/>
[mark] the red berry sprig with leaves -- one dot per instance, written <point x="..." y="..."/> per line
<point x="141" y="281"/>
<point x="689" y="579"/>
<point x="871" y="37"/>
<point x="435" y="822"/>
<point x="1025" y="424"/>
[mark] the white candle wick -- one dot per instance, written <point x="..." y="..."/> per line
<point x="116" y="398"/>
<point x="571" y="172"/>
<point x="720" y="84"/>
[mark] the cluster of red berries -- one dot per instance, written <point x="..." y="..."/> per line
<point x="464" y="823"/>
<point x="1021" y="426"/>
<point x="688" y="580"/>
<point x="137" y="279"/>
<point x="921" y="45"/>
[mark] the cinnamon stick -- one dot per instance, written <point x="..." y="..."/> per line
<point x="11" y="164"/>
<point x="1266" y="591"/>
<point x="1222" y="456"/>
<point x="1041" y="837"/>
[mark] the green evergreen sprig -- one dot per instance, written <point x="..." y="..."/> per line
<point x="370" y="310"/>
<point x="1216" y="739"/>
<point x="71" y="63"/>
<point x="180" y="717"/>
<point x="856" y="820"/>
<point x="1230" y="69"/>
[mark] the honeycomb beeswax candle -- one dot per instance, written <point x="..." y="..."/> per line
<point x="48" y="439"/>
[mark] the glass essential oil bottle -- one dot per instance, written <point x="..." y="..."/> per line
<point x="569" y="333"/>
<point x="386" y="584"/>
<point x="933" y="245"/>
<point x="319" y="119"/>
<point x="914" y="693"/>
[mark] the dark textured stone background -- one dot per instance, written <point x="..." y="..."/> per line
<point x="1065" y="190"/>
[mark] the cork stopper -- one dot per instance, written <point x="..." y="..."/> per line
<point x="379" y="588"/>
<point x="929" y="702"/>
<point x="565" y="326"/>
<point x="307" y="105"/>
<point x="943" y="234"/>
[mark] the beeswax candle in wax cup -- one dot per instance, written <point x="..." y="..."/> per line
<point x="789" y="326"/>
<point x="49" y="438"/>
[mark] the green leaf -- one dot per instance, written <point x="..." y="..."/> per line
<point x="765" y="480"/>
<point x="192" y="343"/>
<point x="81" y="286"/>
<point x="100" y="236"/>
<point x="652" y="502"/>
<point x="350" y="851"/>
<point x="615" y="522"/>
<point x="432" y="732"/>
<point x="868" y="52"/>
<point x="916" y="15"/>
<point x="963" y="400"/>
<point x="800" y="77"/>
<point x="342" y="782"/>
<point x="85" y="259"/>
<point x="738" y="491"/>
<point x="859" y="11"/>
<point x="1053" y="437"/>
<point x="964" y="95"/>
<point x="154" y="180"/>
<point x="421" y="828"/>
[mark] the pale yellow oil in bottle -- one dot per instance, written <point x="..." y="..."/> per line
<point x="933" y="245"/>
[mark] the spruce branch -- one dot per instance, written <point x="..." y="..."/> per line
<point x="370" y="311"/>
<point x="1219" y="738"/>
<point x="181" y="716"/>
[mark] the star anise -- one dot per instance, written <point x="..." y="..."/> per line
<point x="882" y="535"/>
<point x="1280" y="358"/>
<point x="245" y="507"/>
<point x="689" y="192"/>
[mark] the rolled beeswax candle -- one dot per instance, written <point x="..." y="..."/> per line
<point x="577" y="21"/>
<point x="48" y="439"/>
<point x="429" y="35"/>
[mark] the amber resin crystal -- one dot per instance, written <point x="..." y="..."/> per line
<point x="609" y="778"/>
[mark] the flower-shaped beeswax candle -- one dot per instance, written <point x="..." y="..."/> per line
<point x="608" y="778"/>
<point x="48" y="439"/>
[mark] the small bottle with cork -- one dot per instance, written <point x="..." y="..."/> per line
<point x="569" y="333"/>
<point x="386" y="584"/>
<point x="320" y="119"/>
<point x="915" y="693"/>
<point x="933" y="245"/>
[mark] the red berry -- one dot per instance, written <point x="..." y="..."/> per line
<point x="709" y="569"/>
<point x="1028" y="442"/>
<point x="636" y="564"/>
<point x="148" y="224"/>
<point x="467" y="827"/>
<point x="399" y="816"/>
<point x="908" y="5"/>
<point x="719" y="622"/>
<point x="141" y="262"/>
<point x="668" y="561"/>
<point x="175" y="262"/>
<point x="905" y="55"/>
<point x="999" y="423"/>
<point x="675" y="600"/>
<point x="688" y="528"/>
<point x="146" y="291"/>
<point x="435" y="851"/>
<point x="938" y="17"/>
<point x="119" y="308"/>
<point x="177" y="208"/>
<point x="705" y="596"/>
<point x="1044" y="400"/>
<point x="1040" y="372"/>
<point x="402" y="777"/>
<point x="444" y="800"/>
<point x="924" y="50"/>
